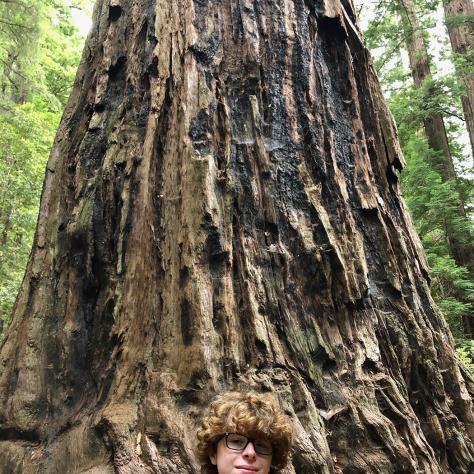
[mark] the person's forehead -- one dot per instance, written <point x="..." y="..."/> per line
<point x="254" y="434"/>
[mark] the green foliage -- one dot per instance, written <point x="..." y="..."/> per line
<point x="434" y="205"/>
<point x="39" y="53"/>
<point x="59" y="55"/>
<point x="19" y="31"/>
<point x="25" y="139"/>
<point x="465" y="349"/>
<point x="384" y="37"/>
<point x="459" y="20"/>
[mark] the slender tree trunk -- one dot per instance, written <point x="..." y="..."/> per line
<point x="221" y="209"/>
<point x="462" y="252"/>
<point x="459" y="15"/>
<point x="421" y="72"/>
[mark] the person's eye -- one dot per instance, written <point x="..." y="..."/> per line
<point x="237" y="440"/>
<point x="264" y="445"/>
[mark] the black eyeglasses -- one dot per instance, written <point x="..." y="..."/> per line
<point x="238" y="442"/>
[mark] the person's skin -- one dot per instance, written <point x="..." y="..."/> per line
<point x="240" y="462"/>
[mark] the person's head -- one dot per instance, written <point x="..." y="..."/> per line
<point x="244" y="430"/>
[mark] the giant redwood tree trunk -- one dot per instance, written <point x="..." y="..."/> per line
<point x="221" y="209"/>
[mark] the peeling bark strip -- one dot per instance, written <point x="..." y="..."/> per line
<point x="221" y="208"/>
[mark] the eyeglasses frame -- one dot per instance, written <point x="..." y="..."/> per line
<point x="249" y="440"/>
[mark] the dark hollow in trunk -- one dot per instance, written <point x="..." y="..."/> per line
<point x="222" y="209"/>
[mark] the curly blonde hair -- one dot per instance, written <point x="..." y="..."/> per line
<point x="250" y="413"/>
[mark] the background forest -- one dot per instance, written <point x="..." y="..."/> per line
<point x="40" y="49"/>
<point x="423" y="52"/>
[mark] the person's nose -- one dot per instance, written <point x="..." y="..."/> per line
<point x="249" y="451"/>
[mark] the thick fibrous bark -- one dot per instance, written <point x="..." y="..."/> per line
<point x="221" y="209"/>
<point x="459" y="16"/>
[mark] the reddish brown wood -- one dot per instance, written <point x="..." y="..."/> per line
<point x="221" y="209"/>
